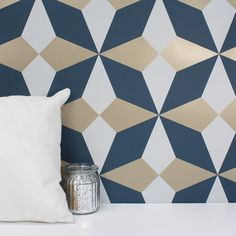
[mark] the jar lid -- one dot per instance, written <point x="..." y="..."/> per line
<point x="81" y="168"/>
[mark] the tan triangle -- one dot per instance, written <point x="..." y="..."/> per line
<point x="121" y="115"/>
<point x="231" y="54"/>
<point x="61" y="54"/>
<point x="199" y="4"/>
<point x="6" y="3"/>
<point x="136" y="53"/>
<point x="229" y="114"/>
<point x="78" y="115"/>
<point x="233" y="3"/>
<point x="181" y="174"/>
<point x="17" y="54"/>
<point x="136" y="175"/>
<point x="196" y="114"/>
<point x="182" y="53"/>
<point x="118" y="4"/>
<point x="78" y="4"/>
<point x="230" y="174"/>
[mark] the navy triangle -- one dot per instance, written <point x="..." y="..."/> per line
<point x="229" y="187"/>
<point x="188" y="145"/>
<point x="128" y="23"/>
<point x="189" y="23"/>
<point x="189" y="84"/>
<point x="230" y="41"/>
<point x="230" y="159"/>
<point x="230" y="67"/>
<point x="13" y="19"/>
<point x="73" y="147"/>
<point x="12" y="82"/>
<point x="197" y="193"/>
<point x="128" y="145"/>
<point x="74" y="77"/>
<point x="129" y="84"/>
<point x="118" y="193"/>
<point x="69" y="24"/>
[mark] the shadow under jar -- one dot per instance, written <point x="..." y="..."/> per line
<point x="83" y="188"/>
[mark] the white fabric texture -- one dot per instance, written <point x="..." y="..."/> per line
<point x="30" y="137"/>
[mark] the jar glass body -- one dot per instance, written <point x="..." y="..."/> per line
<point x="83" y="188"/>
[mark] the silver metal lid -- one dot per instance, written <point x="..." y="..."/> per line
<point x="77" y="168"/>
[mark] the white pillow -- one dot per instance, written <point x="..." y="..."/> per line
<point x="30" y="136"/>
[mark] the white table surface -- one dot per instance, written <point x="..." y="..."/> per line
<point x="135" y="220"/>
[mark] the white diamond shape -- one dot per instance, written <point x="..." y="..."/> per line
<point x="219" y="15"/>
<point x="159" y="31"/>
<point x="38" y="76"/>
<point x="99" y="92"/>
<point x="158" y="152"/>
<point x="218" y="91"/>
<point x="158" y="191"/>
<point x="99" y="137"/>
<point x="217" y="194"/>
<point x="38" y="31"/>
<point x="218" y="137"/>
<point x="98" y="15"/>
<point x="159" y="76"/>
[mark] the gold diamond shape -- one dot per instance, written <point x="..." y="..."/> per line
<point x="17" y="54"/>
<point x="121" y="115"/>
<point x="181" y="174"/>
<point x="118" y="4"/>
<point x="78" y="4"/>
<point x="231" y="54"/>
<point x="229" y="114"/>
<point x="233" y="3"/>
<point x="229" y="174"/>
<point x="6" y="3"/>
<point x="196" y="115"/>
<point x="136" y="53"/>
<point x="182" y="53"/>
<point x="61" y="54"/>
<point x="78" y="115"/>
<point x="199" y="4"/>
<point x="136" y="175"/>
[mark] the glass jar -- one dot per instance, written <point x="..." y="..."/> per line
<point x="82" y="188"/>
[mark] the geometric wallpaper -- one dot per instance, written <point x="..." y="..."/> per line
<point x="153" y="86"/>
